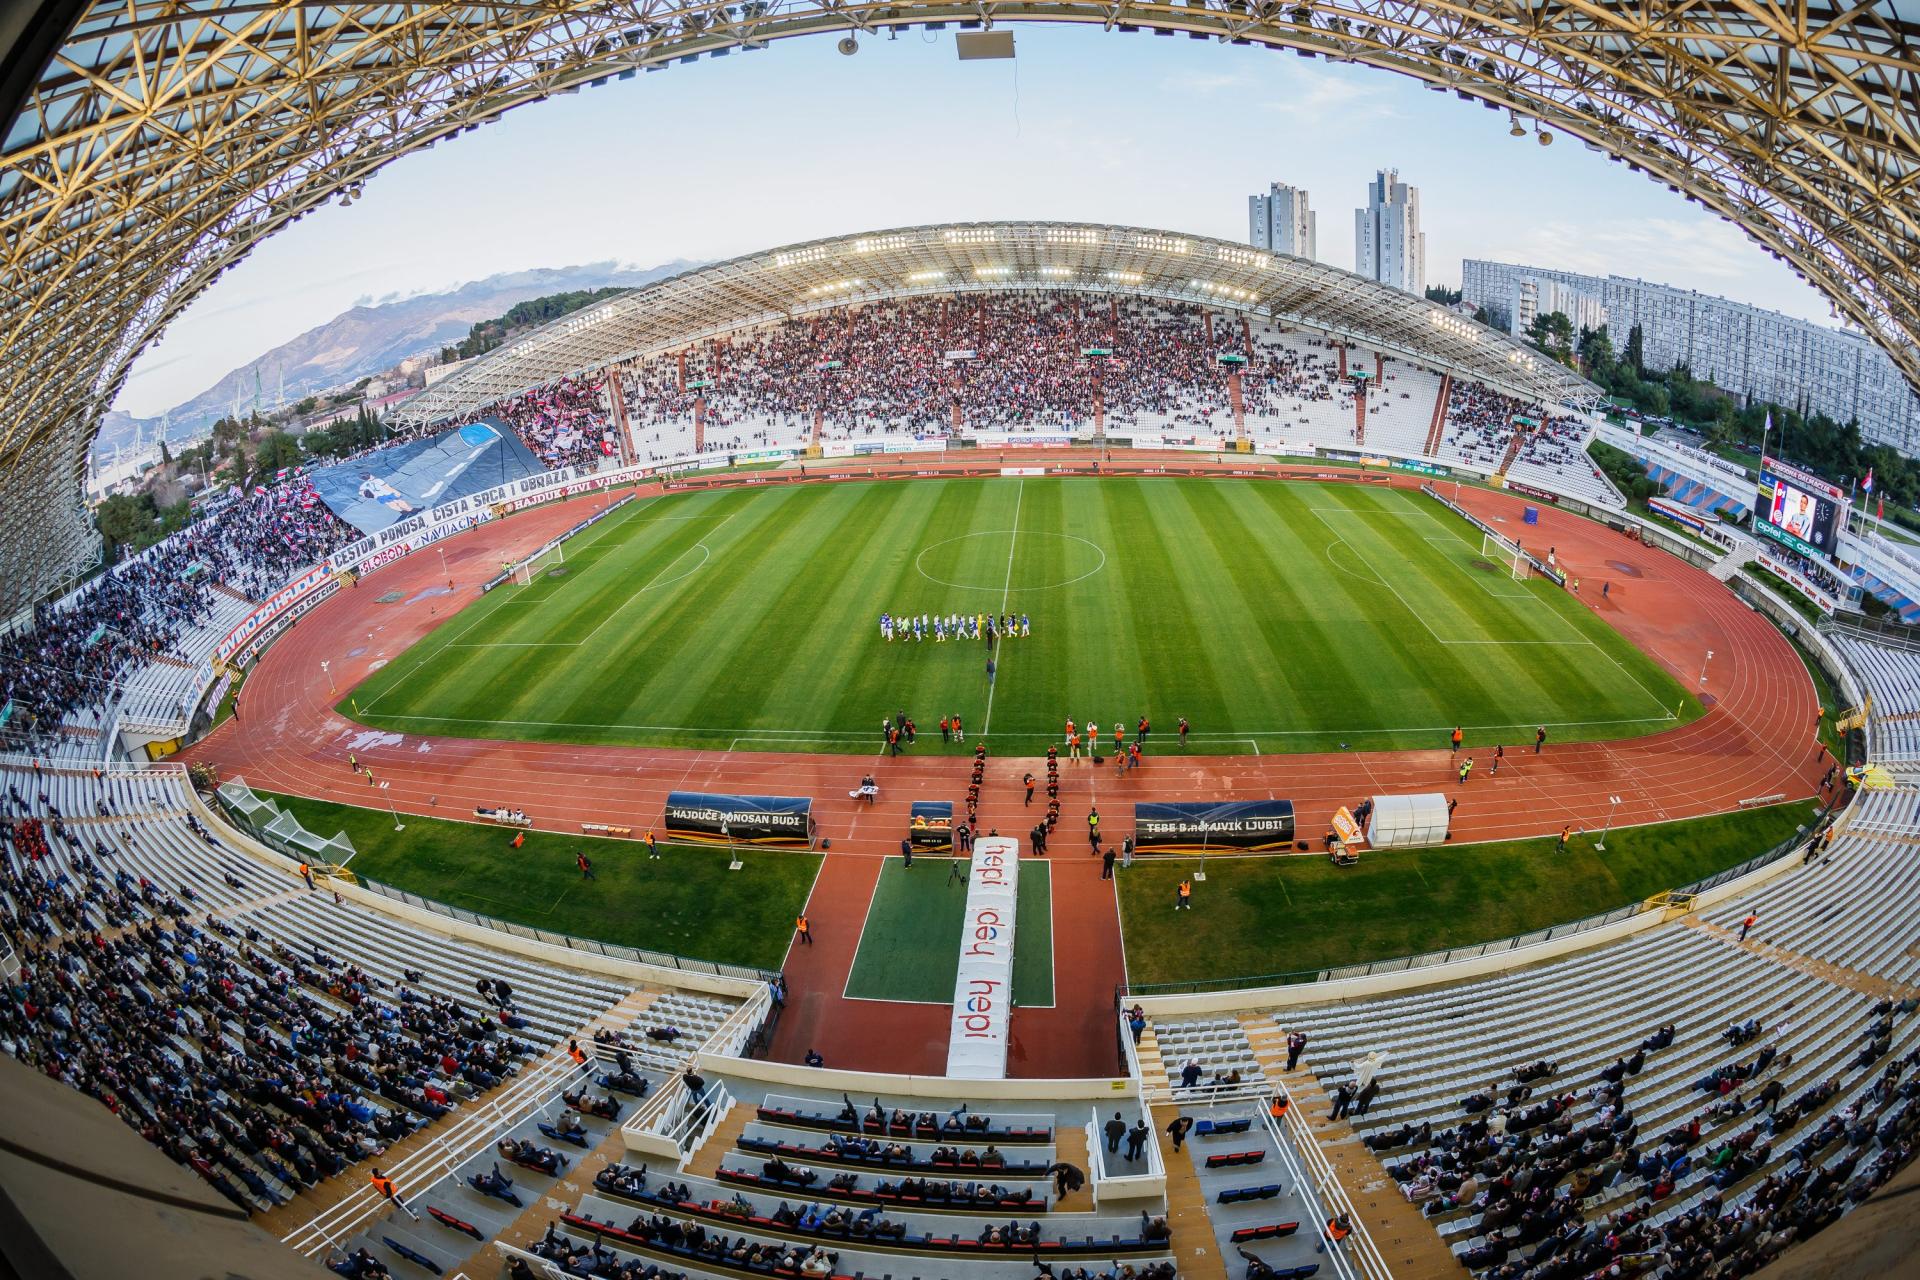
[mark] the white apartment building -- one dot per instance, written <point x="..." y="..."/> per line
<point x="1388" y="244"/>
<point x="1534" y="297"/>
<point x="1282" y="222"/>
<point x="1755" y="353"/>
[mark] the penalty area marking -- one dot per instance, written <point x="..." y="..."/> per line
<point x="706" y="554"/>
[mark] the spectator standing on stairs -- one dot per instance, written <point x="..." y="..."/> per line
<point x="388" y="1192"/>
<point x="1177" y="1129"/>
<point x="1296" y="1045"/>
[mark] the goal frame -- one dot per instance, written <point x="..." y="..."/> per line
<point x="525" y="571"/>
<point x="1494" y="547"/>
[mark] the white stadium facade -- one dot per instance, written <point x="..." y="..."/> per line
<point x="798" y="280"/>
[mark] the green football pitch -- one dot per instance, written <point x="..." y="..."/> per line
<point x="1274" y="616"/>
<point x="910" y="943"/>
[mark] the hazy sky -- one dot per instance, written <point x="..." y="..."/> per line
<point x="731" y="155"/>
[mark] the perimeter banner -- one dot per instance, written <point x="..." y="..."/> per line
<point x="1240" y="825"/>
<point x="784" y="822"/>
<point x="983" y="988"/>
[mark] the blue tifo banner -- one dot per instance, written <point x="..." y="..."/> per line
<point x="1201" y="827"/>
<point x="386" y="487"/>
<point x="709" y="818"/>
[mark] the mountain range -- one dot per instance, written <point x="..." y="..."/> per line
<point x="365" y="340"/>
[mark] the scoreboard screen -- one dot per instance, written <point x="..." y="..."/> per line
<point x="1798" y="510"/>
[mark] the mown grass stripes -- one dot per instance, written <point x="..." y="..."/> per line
<point x="1276" y="616"/>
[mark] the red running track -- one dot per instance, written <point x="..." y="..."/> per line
<point x="1756" y="739"/>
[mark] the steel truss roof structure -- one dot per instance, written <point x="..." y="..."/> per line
<point x="166" y="138"/>
<point x="998" y="256"/>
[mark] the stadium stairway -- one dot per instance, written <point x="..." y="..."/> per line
<point x="1437" y="429"/>
<point x="308" y="1203"/>
<point x="1359" y="417"/>
<point x="236" y="593"/>
<point x="1514" y="440"/>
<point x="1187" y="1208"/>
<point x="722" y="1142"/>
<point x="1397" y="1228"/>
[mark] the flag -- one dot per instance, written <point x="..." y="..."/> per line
<point x="1866" y="485"/>
<point x="1880" y="508"/>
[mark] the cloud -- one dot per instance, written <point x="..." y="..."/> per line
<point x="1206" y="82"/>
<point x="1653" y="248"/>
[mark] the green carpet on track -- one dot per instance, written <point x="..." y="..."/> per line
<point x="910" y="946"/>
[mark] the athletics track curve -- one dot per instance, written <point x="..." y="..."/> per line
<point x="1756" y="739"/>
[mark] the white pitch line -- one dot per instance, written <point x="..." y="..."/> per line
<point x="1006" y="589"/>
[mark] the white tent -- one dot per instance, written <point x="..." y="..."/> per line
<point x="1401" y="822"/>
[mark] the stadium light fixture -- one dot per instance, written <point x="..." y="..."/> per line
<point x="1600" y="845"/>
<point x="1517" y="129"/>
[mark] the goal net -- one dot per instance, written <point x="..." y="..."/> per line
<point x="1497" y="550"/>
<point x="538" y="563"/>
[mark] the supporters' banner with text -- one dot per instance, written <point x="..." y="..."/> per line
<point x="983" y="988"/>
<point x="1199" y="827"/>
<point x="274" y="605"/>
<point x="711" y="818"/>
<point x="406" y="481"/>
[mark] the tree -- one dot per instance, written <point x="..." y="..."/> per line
<point x="127" y="519"/>
<point x="1441" y="294"/>
<point x="1636" y="351"/>
<point x="1596" y="353"/>
<point x="1722" y="431"/>
<point x="306" y="405"/>
<point x="1553" y="334"/>
<point x="277" y="450"/>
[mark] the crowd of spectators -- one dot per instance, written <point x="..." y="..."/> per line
<point x="998" y="362"/>
<point x="73" y="656"/>
<point x="562" y="424"/>
<point x="260" y="1068"/>
<point x="1479" y="424"/>
<point x="1533" y="1169"/>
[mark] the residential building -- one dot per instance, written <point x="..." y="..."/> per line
<point x="1388" y="244"/>
<point x="1534" y="297"/>
<point x="1755" y="353"/>
<point x="1282" y="222"/>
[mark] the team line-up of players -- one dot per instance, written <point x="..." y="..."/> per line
<point x="954" y="626"/>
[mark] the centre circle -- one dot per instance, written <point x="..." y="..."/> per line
<point x="958" y="562"/>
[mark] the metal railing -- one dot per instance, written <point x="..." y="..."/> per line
<point x="732" y="1037"/>
<point x="471" y="1132"/>
<point x="586" y="946"/>
<point x="1895" y="635"/>
<point x="1429" y="959"/>
<point x="1356" y="1257"/>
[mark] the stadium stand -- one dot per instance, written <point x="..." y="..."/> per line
<point x="1682" y="1089"/>
<point x="262" y="1033"/>
<point x="136" y="642"/>
<point x="1893" y="677"/>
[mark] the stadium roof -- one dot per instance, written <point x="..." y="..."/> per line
<point x="161" y="140"/>
<point x="998" y="256"/>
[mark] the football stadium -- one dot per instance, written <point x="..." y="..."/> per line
<point x="1242" y="767"/>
